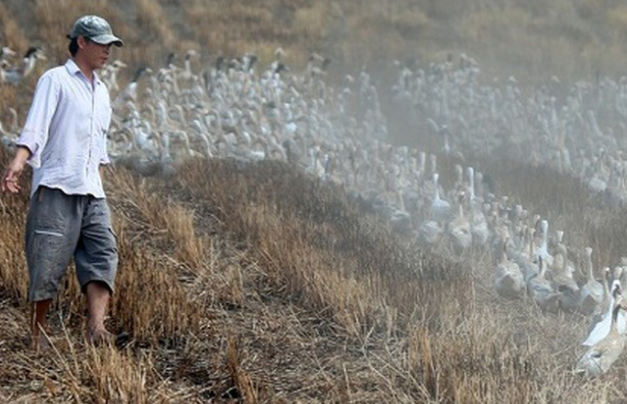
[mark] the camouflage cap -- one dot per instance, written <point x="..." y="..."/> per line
<point x="96" y="29"/>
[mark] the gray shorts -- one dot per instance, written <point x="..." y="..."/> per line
<point x="59" y="226"/>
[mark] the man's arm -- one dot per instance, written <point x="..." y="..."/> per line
<point x="12" y="173"/>
<point x="34" y="134"/>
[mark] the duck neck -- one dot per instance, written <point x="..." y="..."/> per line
<point x="542" y="265"/>
<point x="471" y="183"/>
<point x="544" y="242"/>
<point x="615" y="311"/>
<point x="563" y="253"/>
<point x="435" y="186"/>
<point x="590" y="269"/>
<point x="504" y="257"/>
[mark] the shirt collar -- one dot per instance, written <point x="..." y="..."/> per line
<point x="73" y="69"/>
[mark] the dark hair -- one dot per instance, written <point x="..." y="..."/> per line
<point x="73" y="46"/>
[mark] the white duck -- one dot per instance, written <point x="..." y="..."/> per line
<point x="541" y="290"/>
<point x="432" y="229"/>
<point x="508" y="279"/>
<point x="602" y="328"/>
<point x="592" y="293"/>
<point x="441" y="210"/>
<point x="524" y="257"/>
<point x="459" y="228"/>
<point x="601" y="355"/>
<point x="563" y="281"/>
<point x="543" y="251"/>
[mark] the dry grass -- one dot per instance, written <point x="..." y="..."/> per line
<point x="55" y="18"/>
<point x="172" y="221"/>
<point x="10" y="33"/>
<point x="296" y="294"/>
<point x="529" y="39"/>
<point x="259" y="285"/>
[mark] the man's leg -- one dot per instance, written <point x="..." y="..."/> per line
<point x="97" y="300"/>
<point x="39" y="312"/>
<point x="51" y="235"/>
<point x="96" y="259"/>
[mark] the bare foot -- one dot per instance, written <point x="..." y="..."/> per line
<point x="40" y="343"/>
<point x="99" y="337"/>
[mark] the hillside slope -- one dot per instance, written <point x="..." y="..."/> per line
<point x="259" y="283"/>
<point x="532" y="40"/>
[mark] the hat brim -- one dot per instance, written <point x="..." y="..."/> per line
<point x="107" y="40"/>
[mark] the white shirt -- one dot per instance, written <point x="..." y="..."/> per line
<point x="66" y="131"/>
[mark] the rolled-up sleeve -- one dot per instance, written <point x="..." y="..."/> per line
<point x="36" y="128"/>
<point x="104" y="159"/>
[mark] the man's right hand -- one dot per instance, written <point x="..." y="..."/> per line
<point x="11" y="176"/>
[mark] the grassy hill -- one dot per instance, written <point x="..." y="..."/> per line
<point x="258" y="284"/>
<point x="231" y="291"/>
<point x="531" y="39"/>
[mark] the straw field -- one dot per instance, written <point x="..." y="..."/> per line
<point x="259" y="284"/>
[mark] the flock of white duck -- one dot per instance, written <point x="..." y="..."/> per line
<point x="338" y="134"/>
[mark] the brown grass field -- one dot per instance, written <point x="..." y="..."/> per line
<point x="261" y="285"/>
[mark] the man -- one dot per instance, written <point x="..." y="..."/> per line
<point x="64" y="140"/>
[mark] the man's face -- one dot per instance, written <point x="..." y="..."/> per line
<point x="96" y="55"/>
